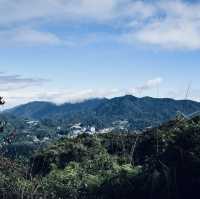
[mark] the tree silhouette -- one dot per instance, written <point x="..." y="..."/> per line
<point x="8" y="139"/>
<point x="2" y="102"/>
<point x="2" y="123"/>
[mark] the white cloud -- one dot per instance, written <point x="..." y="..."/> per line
<point x="92" y="9"/>
<point x="18" y="90"/>
<point x="28" y="36"/>
<point x="153" y="83"/>
<point x="138" y="10"/>
<point x="36" y="90"/>
<point x="22" y="10"/>
<point x="15" y="82"/>
<point x="172" y="25"/>
<point x="172" y="33"/>
<point x="100" y="10"/>
<point x="58" y="96"/>
<point x="35" y="15"/>
<point x="147" y="86"/>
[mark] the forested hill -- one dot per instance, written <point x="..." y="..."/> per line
<point x="160" y="163"/>
<point x="139" y="112"/>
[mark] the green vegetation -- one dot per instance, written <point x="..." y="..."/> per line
<point x="101" y="113"/>
<point x="163" y="162"/>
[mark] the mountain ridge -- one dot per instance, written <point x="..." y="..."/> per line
<point x="140" y="112"/>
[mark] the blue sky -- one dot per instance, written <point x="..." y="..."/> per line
<point x="70" y="50"/>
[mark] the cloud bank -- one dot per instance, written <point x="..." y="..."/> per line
<point x="18" y="90"/>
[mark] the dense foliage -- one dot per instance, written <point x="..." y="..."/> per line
<point x="163" y="162"/>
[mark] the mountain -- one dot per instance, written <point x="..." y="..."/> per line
<point x="39" y="110"/>
<point x="139" y="112"/>
<point x="33" y="110"/>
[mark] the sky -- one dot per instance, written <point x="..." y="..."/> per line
<point x="72" y="50"/>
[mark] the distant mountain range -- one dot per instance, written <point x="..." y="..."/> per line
<point x="139" y="112"/>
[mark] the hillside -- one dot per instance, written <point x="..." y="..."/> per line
<point x="139" y="112"/>
<point x="162" y="162"/>
<point x="48" y="122"/>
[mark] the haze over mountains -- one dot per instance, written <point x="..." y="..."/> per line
<point x="139" y="112"/>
